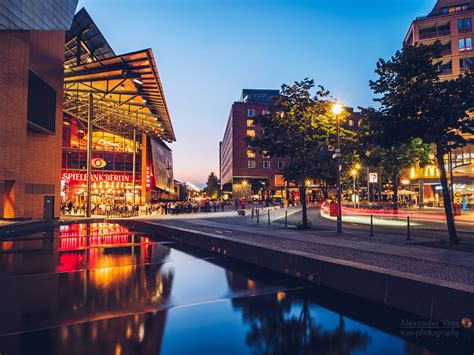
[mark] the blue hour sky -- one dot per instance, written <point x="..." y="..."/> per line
<point x="207" y="51"/>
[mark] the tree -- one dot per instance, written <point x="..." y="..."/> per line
<point x="184" y="192"/>
<point x="212" y="188"/>
<point x="418" y="104"/>
<point x="379" y="149"/>
<point x="300" y="127"/>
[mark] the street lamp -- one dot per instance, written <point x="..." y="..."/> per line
<point x="354" y="176"/>
<point x="337" y="110"/>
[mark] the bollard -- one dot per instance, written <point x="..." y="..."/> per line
<point x="371" y="225"/>
<point x="286" y="218"/>
<point x="268" y="217"/>
<point x="408" y="229"/>
<point x="253" y="211"/>
<point x="258" y="215"/>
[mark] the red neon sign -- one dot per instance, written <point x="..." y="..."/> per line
<point x="96" y="177"/>
<point x="148" y="178"/>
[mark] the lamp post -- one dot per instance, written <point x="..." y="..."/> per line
<point x="357" y="168"/>
<point x="354" y="175"/>
<point x="337" y="110"/>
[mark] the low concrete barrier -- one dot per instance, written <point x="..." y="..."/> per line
<point x="428" y="297"/>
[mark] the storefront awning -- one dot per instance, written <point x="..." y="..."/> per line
<point x="126" y="92"/>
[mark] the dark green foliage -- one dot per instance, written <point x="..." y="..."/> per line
<point x="300" y="127"/>
<point x="212" y="188"/>
<point x="417" y="104"/>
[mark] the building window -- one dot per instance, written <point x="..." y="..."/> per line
<point x="266" y="165"/>
<point x="351" y="123"/>
<point x="454" y="9"/>
<point x="250" y="123"/>
<point x="251" y="133"/>
<point x="250" y="113"/>
<point x="359" y="123"/>
<point x="465" y="44"/>
<point x="265" y="154"/>
<point x="265" y="112"/>
<point x="251" y="164"/>
<point x="464" y="25"/>
<point x="281" y="165"/>
<point x="466" y="63"/>
<point x="250" y="154"/>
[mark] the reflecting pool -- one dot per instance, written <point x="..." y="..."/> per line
<point x="103" y="289"/>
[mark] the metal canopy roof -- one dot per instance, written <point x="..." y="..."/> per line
<point x="85" y="42"/>
<point x="126" y="91"/>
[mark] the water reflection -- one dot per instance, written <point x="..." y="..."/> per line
<point x="280" y="324"/>
<point x="95" y="271"/>
<point x="112" y="291"/>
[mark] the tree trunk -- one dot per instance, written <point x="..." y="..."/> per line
<point x="304" y="206"/>
<point x="395" y="191"/>
<point x="448" y="210"/>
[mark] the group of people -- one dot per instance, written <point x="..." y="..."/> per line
<point x="176" y="208"/>
<point x="129" y="210"/>
<point x="116" y="210"/>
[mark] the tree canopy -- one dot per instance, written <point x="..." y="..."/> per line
<point x="301" y="127"/>
<point x="212" y="188"/>
<point x="417" y="104"/>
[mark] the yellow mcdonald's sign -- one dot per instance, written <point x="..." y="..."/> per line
<point x="429" y="172"/>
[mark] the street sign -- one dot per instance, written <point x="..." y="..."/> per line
<point x="373" y="178"/>
<point x="336" y="155"/>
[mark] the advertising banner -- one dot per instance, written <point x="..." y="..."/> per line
<point x="162" y="165"/>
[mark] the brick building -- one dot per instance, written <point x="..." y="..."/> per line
<point x="31" y="88"/>
<point x="242" y="169"/>
<point x="450" y="22"/>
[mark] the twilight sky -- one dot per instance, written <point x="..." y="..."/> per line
<point x="207" y="51"/>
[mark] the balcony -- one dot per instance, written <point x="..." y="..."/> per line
<point x="434" y="33"/>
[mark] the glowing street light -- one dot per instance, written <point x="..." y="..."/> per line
<point x="337" y="109"/>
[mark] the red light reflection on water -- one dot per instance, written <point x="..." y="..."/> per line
<point x="82" y="245"/>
